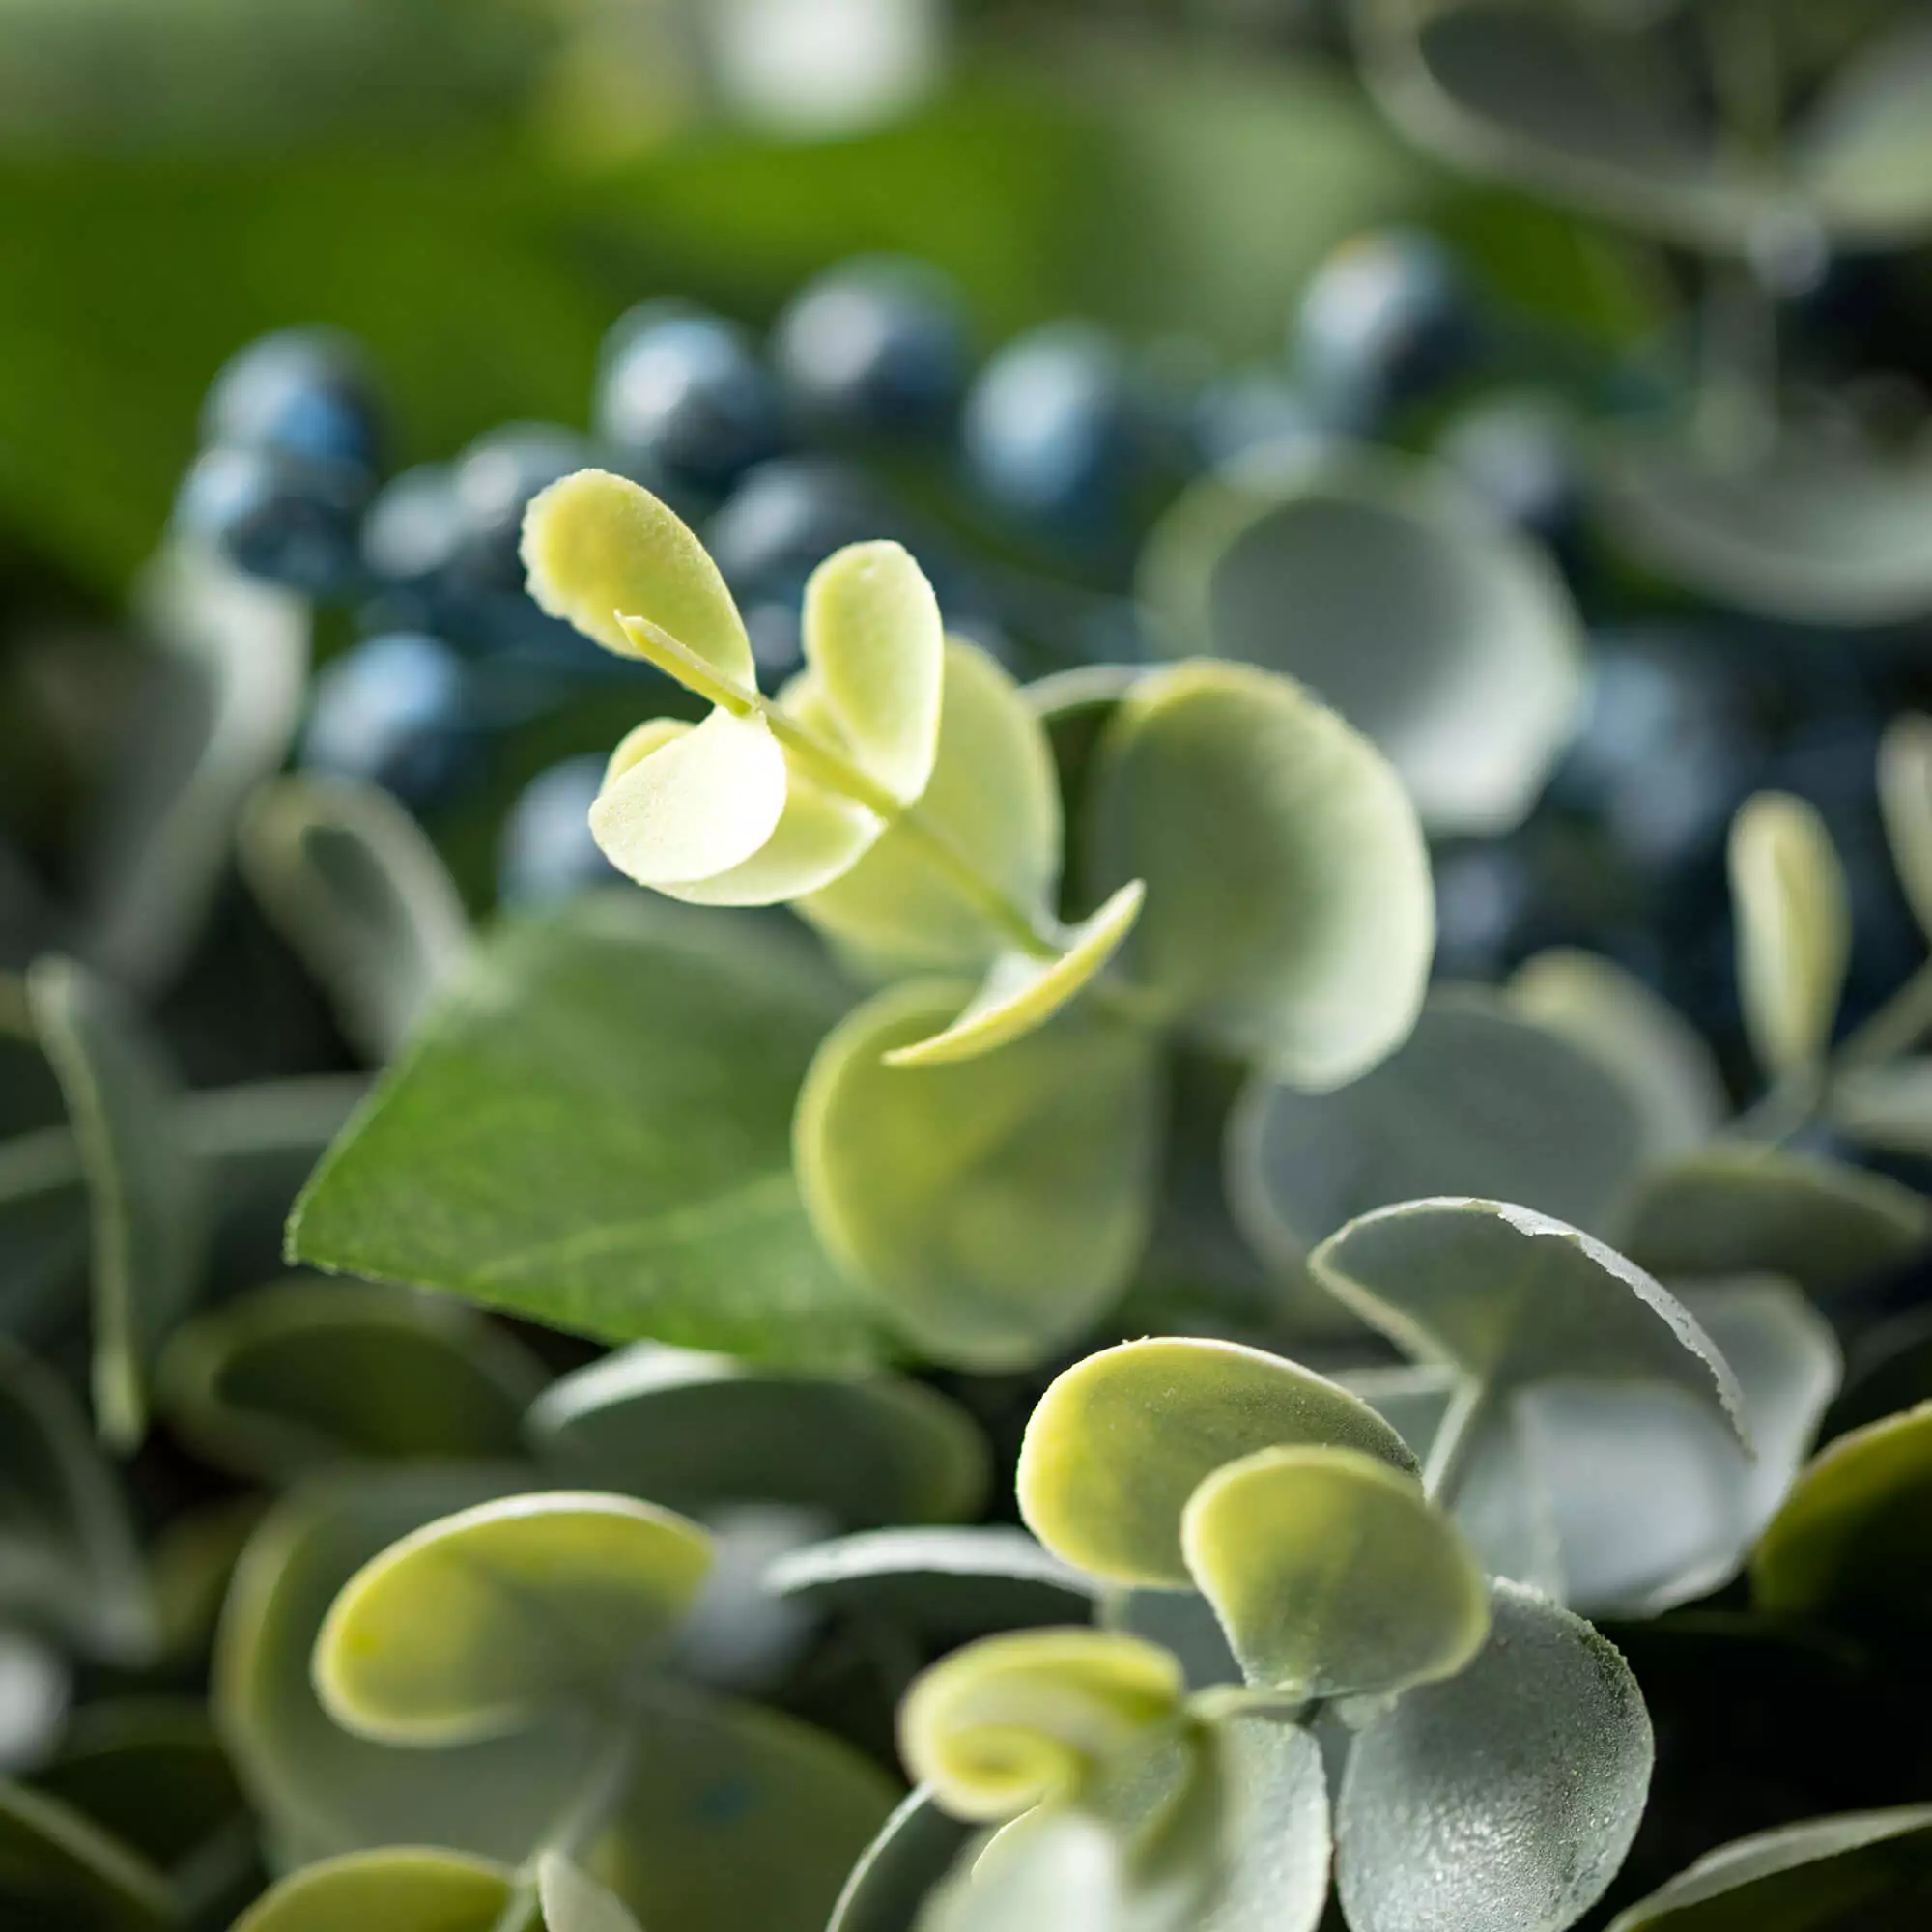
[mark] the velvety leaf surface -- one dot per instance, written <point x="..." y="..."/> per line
<point x="1060" y="1869"/>
<point x="406" y="1890"/>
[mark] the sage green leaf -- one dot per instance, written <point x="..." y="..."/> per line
<point x="320" y="1790"/>
<point x="1810" y="532"/>
<point x="1850" y="1542"/>
<point x="58" y="1869"/>
<point x="941" y="1586"/>
<point x="1183" y="1621"/>
<point x="1734" y="1209"/>
<point x="43" y="1227"/>
<point x="1428" y="623"/>
<point x="1075" y="708"/>
<point x="1120" y="1443"/>
<point x="411" y="1889"/>
<point x="1479" y="1100"/>
<point x="1862" y="154"/>
<point x="1905" y="799"/>
<point x="1022" y="992"/>
<point x="1289" y="915"/>
<point x="574" y="1902"/>
<point x="359" y="892"/>
<point x="595" y="1130"/>
<point x="991" y="798"/>
<point x="1010" y="1721"/>
<point x="694" y="1431"/>
<point x="1058" y="1870"/>
<point x="484" y="1620"/>
<point x="305" y="1373"/>
<point x="1860" y="1871"/>
<point x="147" y="1206"/>
<point x="228" y="669"/>
<point x="597" y="544"/>
<point x="1275" y="1829"/>
<point x="875" y="643"/>
<point x="1886" y="1107"/>
<point x="1641" y="1039"/>
<point x="681" y="805"/>
<point x="908" y="1859"/>
<point x="68" y="1562"/>
<point x="1793" y="911"/>
<point x="1332" y="1574"/>
<point x="995" y="1207"/>
<point x="1506" y="1794"/>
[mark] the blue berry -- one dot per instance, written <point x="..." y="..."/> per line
<point x="1238" y="414"/>
<point x="785" y="518"/>
<point x="414" y="530"/>
<point x="302" y="393"/>
<point x="547" y="852"/>
<point x="394" y="710"/>
<point x="683" y="396"/>
<point x="874" y="344"/>
<point x="492" y="482"/>
<point x="1387" y="321"/>
<point x="1518" y="451"/>
<point x="275" y="516"/>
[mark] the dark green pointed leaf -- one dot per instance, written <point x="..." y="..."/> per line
<point x="694" y="1432"/>
<point x="595" y="1130"/>
<point x="1506" y="1794"/>
<point x="1427" y="623"/>
<point x="900" y="1867"/>
<point x="307" y="1373"/>
<point x="58" y="1869"/>
<point x="408" y="1889"/>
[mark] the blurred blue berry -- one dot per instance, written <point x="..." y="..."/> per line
<point x="492" y="482"/>
<point x="1387" y="321"/>
<point x="414" y="530"/>
<point x="275" y="516"/>
<point x="874" y="344"/>
<point x="547" y="851"/>
<point x="394" y="710"/>
<point x="785" y="518"/>
<point x="1518" y="451"/>
<point x="304" y="392"/>
<point x="683" y="396"/>
<point x="1257" y="409"/>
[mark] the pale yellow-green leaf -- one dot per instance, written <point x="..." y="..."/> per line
<point x="684" y="806"/>
<point x="485" y="1620"/>
<point x="597" y="544"/>
<point x="1905" y="796"/>
<point x="1120" y="1443"/>
<point x="1332" y="1573"/>
<point x="573" y="1901"/>
<point x="408" y="1889"/>
<point x="872" y="634"/>
<point x="1794" y="928"/>
<point x="1021" y="992"/>
<point x="994" y="1207"/>
<point x="1011" y="1719"/>
<point x="992" y="797"/>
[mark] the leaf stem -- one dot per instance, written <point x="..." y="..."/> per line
<point x="579" y="1821"/>
<point x="1454" y="1438"/>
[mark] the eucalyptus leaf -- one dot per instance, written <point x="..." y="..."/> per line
<point x="1863" y="154"/>
<point x="1793" y="909"/>
<point x="57" y="1868"/>
<point x="595" y="1130"/>
<point x="36" y="1691"/>
<point x="1332" y="1574"/>
<point x="408" y="1889"/>
<point x="1862" y="1871"/>
<point x="1075" y="708"/>
<point x="574" y="1902"/>
<point x="1120" y="1443"/>
<point x="1734" y="1209"/>
<point x="359" y="892"/>
<point x="912" y="1854"/>
<point x="145" y="1193"/>
<point x="1059" y="1870"/>
<point x="1886" y="1107"/>
<point x="694" y="1431"/>
<point x="993" y="1208"/>
<point x="1905" y="800"/>
<point x="305" y="1373"/>
<point x="1183" y="1621"/>
<point x="485" y="1620"/>
<point x="1506" y="1794"/>
<point x="1425" y="622"/>
<point x="1289" y="914"/>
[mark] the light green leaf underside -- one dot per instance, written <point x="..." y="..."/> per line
<point x="1061" y="1871"/>
<point x="994" y="1206"/>
<point x="595" y="1130"/>
<point x="407" y="1890"/>
<point x="486" y="1620"/>
<point x="1289" y="914"/>
<point x="1905" y="799"/>
<point x="574" y="1902"/>
<point x="1120" y="1441"/>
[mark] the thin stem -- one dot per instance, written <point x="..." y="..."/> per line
<point x="1454" y="1438"/>
<point x="576" y="1825"/>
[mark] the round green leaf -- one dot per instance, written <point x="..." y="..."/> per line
<point x="1430" y="626"/>
<point x="1859" y="1872"/>
<point x="307" y="1373"/>
<point x="1850" y="1542"/>
<point x="597" y="544"/>
<point x="1793" y="913"/>
<point x="900" y="1867"/>
<point x="694" y="1431"/>
<point x="1506" y="1794"/>
<point x="487" y="1619"/>
<point x="1057" y="1870"/>
<point x="1904" y="798"/>
<point x="991" y="798"/>
<point x="407" y="1890"/>
<point x="993" y="1207"/>
<point x="1120" y="1443"/>
<point x="1332" y="1573"/>
<point x="57" y="1868"/>
<point x="574" y="1902"/>
<point x="1183" y="1621"/>
<point x="1289" y="915"/>
<point x="1010" y="1721"/>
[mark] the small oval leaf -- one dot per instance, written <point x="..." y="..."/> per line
<point x="408" y="1890"/>
<point x="1905" y="799"/>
